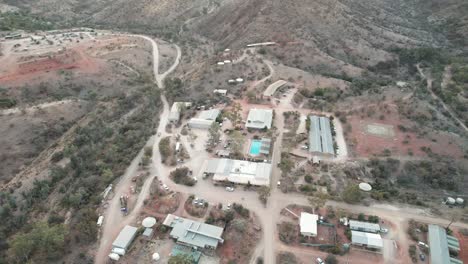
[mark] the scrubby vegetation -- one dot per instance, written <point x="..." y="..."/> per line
<point x="181" y="176"/>
<point x="23" y="20"/>
<point x="98" y="152"/>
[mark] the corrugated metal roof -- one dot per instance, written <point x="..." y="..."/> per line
<point x="211" y="114"/>
<point x="308" y="223"/>
<point x="125" y="237"/>
<point x="325" y="134"/>
<point x="314" y="135"/>
<point x="455" y="261"/>
<point x="438" y="244"/>
<point x="368" y="239"/>
<point x="239" y="171"/>
<point x="358" y="225"/>
<point x="273" y="87"/>
<point x="259" y="118"/>
<point x="200" y="123"/>
<point x="320" y="136"/>
<point x="195" y="233"/>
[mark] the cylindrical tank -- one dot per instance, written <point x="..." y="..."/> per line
<point x="460" y="200"/>
<point x="114" y="256"/>
<point x="450" y="200"/>
<point x="156" y="257"/>
<point x="119" y="251"/>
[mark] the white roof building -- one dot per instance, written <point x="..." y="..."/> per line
<point x="220" y="91"/>
<point x="125" y="238"/>
<point x="205" y="119"/>
<point x="308" y="224"/>
<point x="194" y="234"/>
<point x="240" y="171"/>
<point x="364" y="226"/>
<point x="369" y="240"/>
<point x="259" y="118"/>
<point x="174" y="115"/>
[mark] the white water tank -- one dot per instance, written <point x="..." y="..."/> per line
<point x="119" y="251"/>
<point x="114" y="256"/>
<point x="156" y="257"/>
<point x="450" y="200"/>
<point x="364" y="186"/>
<point x="460" y="200"/>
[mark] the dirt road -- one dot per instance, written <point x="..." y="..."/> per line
<point x="114" y="221"/>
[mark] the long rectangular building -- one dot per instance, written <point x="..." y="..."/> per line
<point x="364" y="226"/>
<point x="368" y="240"/>
<point x="440" y="245"/>
<point x="239" y="171"/>
<point x="125" y="238"/>
<point x="320" y="136"/>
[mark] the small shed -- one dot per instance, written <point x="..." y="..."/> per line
<point x="148" y="232"/>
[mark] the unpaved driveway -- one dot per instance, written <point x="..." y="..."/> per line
<point x="114" y="221"/>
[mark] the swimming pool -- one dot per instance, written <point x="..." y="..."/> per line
<point x="255" y="147"/>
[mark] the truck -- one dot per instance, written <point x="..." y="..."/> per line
<point x="123" y="204"/>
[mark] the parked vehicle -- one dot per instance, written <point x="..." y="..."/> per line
<point x="383" y="230"/>
<point x="123" y="204"/>
<point x="422" y="244"/>
<point x="165" y="187"/>
<point x="230" y="189"/>
<point x="320" y="261"/>
<point x="422" y="257"/>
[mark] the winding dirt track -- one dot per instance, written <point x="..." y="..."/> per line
<point x="114" y="221"/>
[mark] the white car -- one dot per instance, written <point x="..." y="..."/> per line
<point x="195" y="178"/>
<point x="165" y="187"/>
<point x="383" y="230"/>
<point x="230" y="189"/>
<point x="320" y="261"/>
<point x="279" y="183"/>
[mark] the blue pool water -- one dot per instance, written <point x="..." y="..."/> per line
<point x="255" y="147"/>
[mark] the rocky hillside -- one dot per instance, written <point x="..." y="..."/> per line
<point x="376" y="23"/>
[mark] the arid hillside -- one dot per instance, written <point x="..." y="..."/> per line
<point x="341" y="22"/>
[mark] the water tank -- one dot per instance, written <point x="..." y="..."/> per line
<point x="156" y="257"/>
<point x="450" y="200"/>
<point x="114" y="256"/>
<point x="460" y="201"/>
<point x="364" y="186"/>
<point x="149" y="222"/>
<point x="119" y="251"/>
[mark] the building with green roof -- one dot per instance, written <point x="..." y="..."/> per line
<point x="440" y="246"/>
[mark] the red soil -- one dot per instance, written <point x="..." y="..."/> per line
<point x="365" y="145"/>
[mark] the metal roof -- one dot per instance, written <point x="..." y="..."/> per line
<point x="320" y="136"/>
<point x="211" y="114"/>
<point x="308" y="223"/>
<point x="125" y="237"/>
<point x="239" y="171"/>
<point x="314" y="135"/>
<point x="368" y="239"/>
<point x="259" y="118"/>
<point x="200" y="123"/>
<point x="358" y="225"/>
<point x="439" y="245"/>
<point x="273" y="87"/>
<point x="325" y="134"/>
<point x="195" y="233"/>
